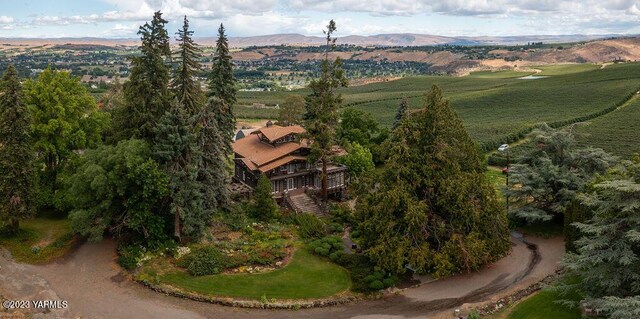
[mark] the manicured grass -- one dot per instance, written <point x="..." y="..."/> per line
<point x="52" y="236"/>
<point x="543" y="306"/>
<point x="306" y="276"/>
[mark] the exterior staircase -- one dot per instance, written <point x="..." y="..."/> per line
<point x="303" y="203"/>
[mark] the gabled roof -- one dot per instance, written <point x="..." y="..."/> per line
<point x="275" y="132"/>
<point x="260" y="153"/>
<point x="282" y="161"/>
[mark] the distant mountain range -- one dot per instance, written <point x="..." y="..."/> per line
<point x="399" y="39"/>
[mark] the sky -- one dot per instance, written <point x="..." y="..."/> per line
<point x="121" y="18"/>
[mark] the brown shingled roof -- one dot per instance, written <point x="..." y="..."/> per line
<point x="261" y="153"/>
<point x="275" y="132"/>
<point x="285" y="160"/>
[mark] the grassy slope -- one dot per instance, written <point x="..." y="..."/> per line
<point x="51" y="235"/>
<point x="495" y="104"/>
<point x="306" y="276"/>
<point x="616" y="132"/>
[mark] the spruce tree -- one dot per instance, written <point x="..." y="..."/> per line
<point x="321" y="116"/>
<point x="432" y="208"/>
<point x="176" y="149"/>
<point x="184" y="87"/>
<point x="401" y="112"/>
<point x="222" y="85"/>
<point x="146" y="92"/>
<point x="213" y="173"/>
<point x="16" y="155"/>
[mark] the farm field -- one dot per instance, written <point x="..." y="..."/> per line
<point x="616" y="132"/>
<point x="491" y="104"/>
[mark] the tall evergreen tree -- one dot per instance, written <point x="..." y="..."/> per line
<point x="222" y="85"/>
<point x="176" y="150"/>
<point x="16" y="154"/>
<point x="291" y="111"/>
<point x="213" y="173"/>
<point x="553" y="174"/>
<point x="607" y="260"/>
<point x="401" y="112"/>
<point x="322" y="106"/>
<point x="183" y="85"/>
<point x="146" y="92"/>
<point x="433" y="207"/>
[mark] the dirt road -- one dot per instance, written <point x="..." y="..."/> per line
<point x="91" y="282"/>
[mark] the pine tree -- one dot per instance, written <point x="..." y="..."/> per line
<point x="176" y="150"/>
<point x="213" y="172"/>
<point x="16" y="155"/>
<point x="184" y="87"/>
<point x="432" y="208"/>
<point x="401" y="112"/>
<point x="222" y="85"/>
<point x="264" y="207"/>
<point x="322" y="106"/>
<point x="146" y="92"/>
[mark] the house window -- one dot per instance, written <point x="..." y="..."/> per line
<point x="290" y="184"/>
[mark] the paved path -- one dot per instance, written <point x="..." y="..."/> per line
<point x="92" y="284"/>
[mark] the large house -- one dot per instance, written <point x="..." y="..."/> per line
<point x="281" y="153"/>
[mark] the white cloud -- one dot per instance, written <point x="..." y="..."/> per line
<point x="6" y="20"/>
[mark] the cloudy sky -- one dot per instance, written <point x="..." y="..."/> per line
<point x="121" y="18"/>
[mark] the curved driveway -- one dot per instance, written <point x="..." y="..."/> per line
<point x="91" y="282"/>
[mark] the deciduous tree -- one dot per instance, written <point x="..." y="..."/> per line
<point x="291" y="110"/>
<point x="65" y="120"/>
<point x="119" y="188"/>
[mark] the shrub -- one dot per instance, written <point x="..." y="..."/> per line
<point x="309" y="226"/>
<point x="341" y="214"/>
<point x="327" y="246"/>
<point x="364" y="276"/>
<point x="205" y="260"/>
<point x="129" y="256"/>
<point x="335" y="228"/>
<point x="376" y="285"/>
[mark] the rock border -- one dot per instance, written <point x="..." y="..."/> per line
<point x="513" y="298"/>
<point x="246" y="303"/>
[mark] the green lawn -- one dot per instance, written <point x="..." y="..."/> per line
<point x="52" y="236"/>
<point x="542" y="306"/>
<point x="307" y="276"/>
